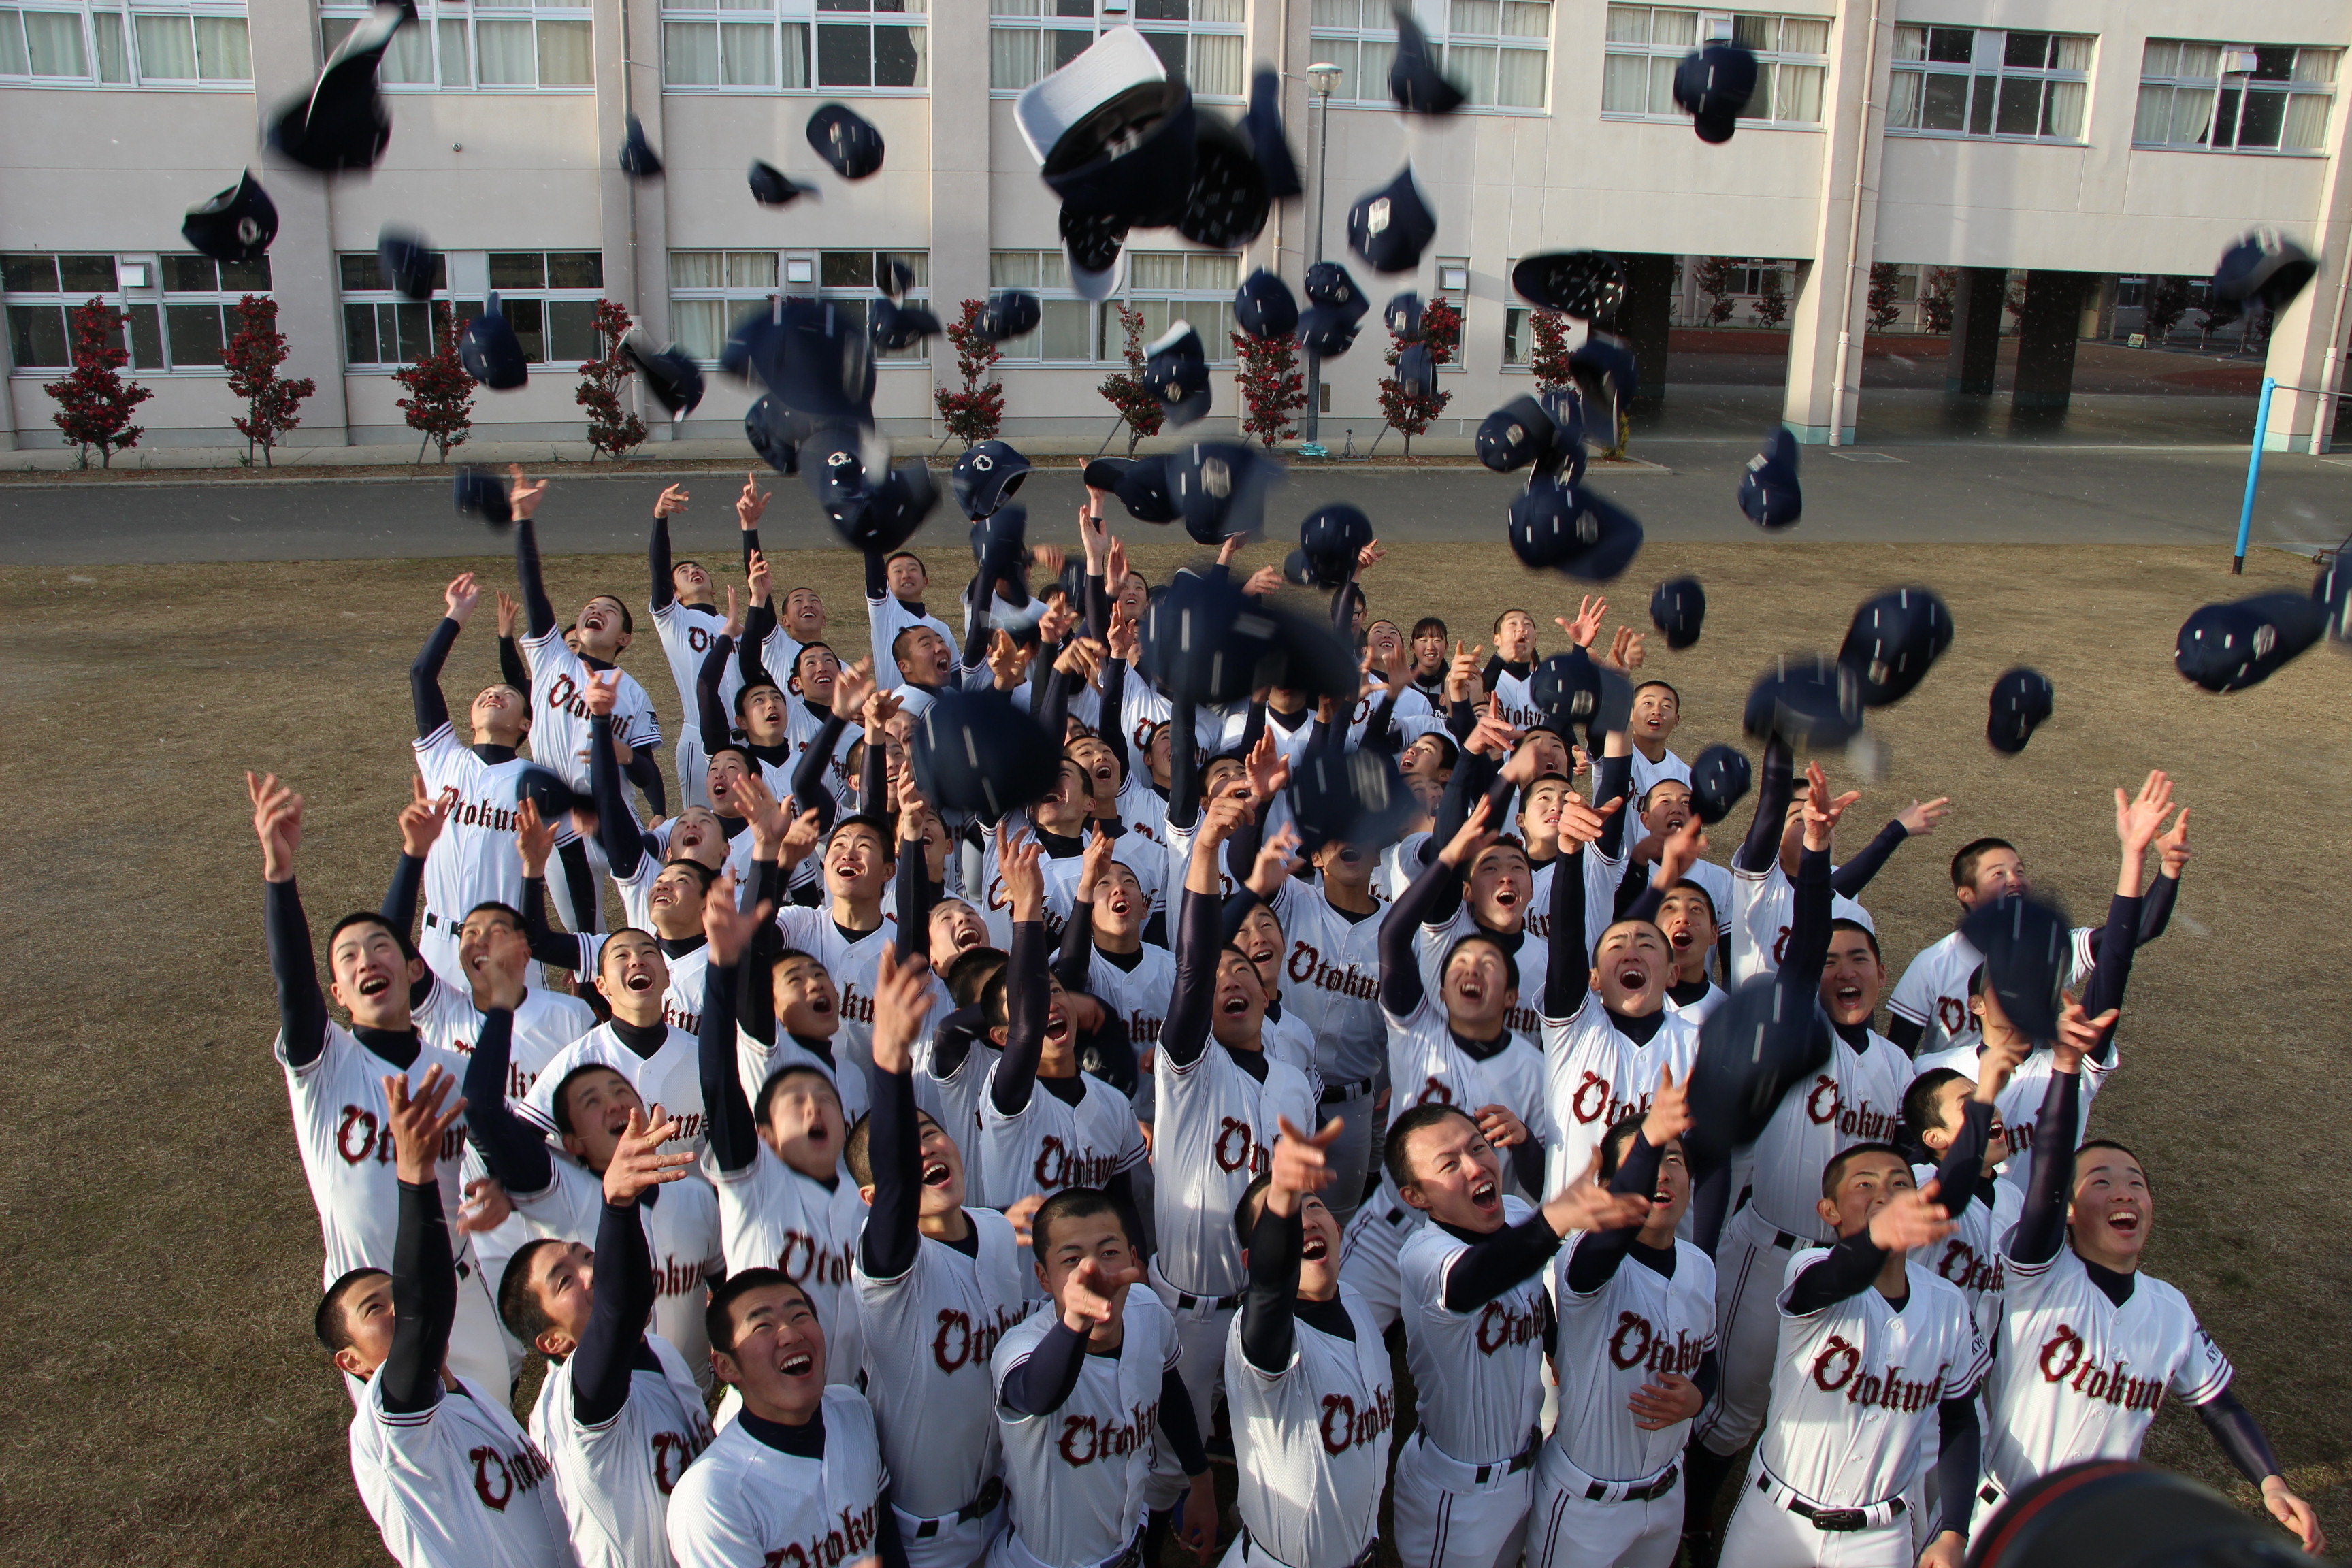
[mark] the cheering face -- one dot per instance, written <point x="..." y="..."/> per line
<point x="856" y="862"/>
<point x="500" y="716"/>
<point x="763" y="715"/>
<point x="372" y="975"/>
<point x="1239" y="1010"/>
<point x="943" y="1172"/>
<point x="1539" y="811"/>
<point x="1260" y="937"/>
<point x="1424" y="759"/>
<point x="675" y="904"/>
<point x="1851" y="978"/>
<point x="725" y="773"/>
<point x="906" y="578"/>
<point x="1514" y="637"/>
<point x="1457" y="1177"/>
<point x="1655" y="714"/>
<point x="804" y="1124"/>
<point x="491" y="948"/>
<point x="695" y="834"/>
<point x="1429" y="653"/>
<point x="691" y="582"/>
<point x="1667" y="807"/>
<point x="597" y="1105"/>
<point x="1687" y="920"/>
<point x="1499" y="887"/>
<point x="778" y="1355"/>
<point x="1476" y="989"/>
<point x="2113" y="1207"/>
<point x="1672" y="1193"/>
<point x="2000" y="874"/>
<point x="1631" y="968"/>
<point x="600" y="628"/>
<point x="632" y="973"/>
<point x="1066" y="806"/>
<point x="806" y="1002"/>
<point x="1102" y="771"/>
<point x="803" y="615"/>
<point x="369" y="1319"/>
<point x="1121" y="908"/>
<point x="1551" y="752"/>
<point x="1155" y="755"/>
<point x="1951" y="1105"/>
<point x="1074" y="1238"/>
<point x="1318" y="1248"/>
<point x="1868" y="1184"/>
<point x="1134" y="596"/>
<point x="1382" y="640"/>
<point x="1222" y="776"/>
<point x="957" y="928"/>
<point x="1345" y="864"/>
<point x="925" y="659"/>
<point x="1059" y="1035"/>
<point x="931" y="835"/>
<point x="563" y="1277"/>
<point x="813" y="673"/>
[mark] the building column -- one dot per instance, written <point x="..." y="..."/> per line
<point x="960" y="176"/>
<point x="2303" y="335"/>
<point x="303" y="274"/>
<point x="633" y="229"/>
<point x="2047" y="330"/>
<point x="1978" y="296"/>
<point x="1826" y="321"/>
<point x="1645" y="319"/>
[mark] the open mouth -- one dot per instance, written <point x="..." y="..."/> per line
<point x="1634" y="976"/>
<point x="1058" y="1028"/>
<point x="1485" y="1195"/>
<point x="1314" y="1249"/>
<point x="1662" y="1198"/>
<point x="374" y="986"/>
<point x="1506" y="897"/>
<point x="641" y="983"/>
<point x="1680" y="939"/>
<point x="1117" y="905"/>
<point x="1848" y="996"/>
<point x="2123" y="1222"/>
<point x="935" y="1174"/>
<point x="1471" y="991"/>
<point x="1234" y="1005"/>
<point x="821" y="1005"/>
<point x="800" y="1363"/>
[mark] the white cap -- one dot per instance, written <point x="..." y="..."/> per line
<point x="1117" y="61"/>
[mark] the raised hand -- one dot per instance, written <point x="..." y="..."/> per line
<point x="2295" y="1513"/>
<point x="485" y="1207"/>
<point x="1266" y="580"/>
<point x="1911" y="1218"/>
<point x="2139" y="819"/>
<point x="671" y="501"/>
<point x="1684" y="847"/>
<point x="523" y="494"/>
<point x="903" y="995"/>
<point x="1501" y="1128"/>
<point x="1493" y="736"/>
<point x="2079" y="1035"/>
<point x="801" y="835"/>
<point x="1221" y="818"/>
<point x="729" y="929"/>
<point x="1919" y="818"/>
<point x="1821" y="812"/>
<point x="602" y="692"/>
<point x="420" y="1121"/>
<point x="1669" y="1114"/>
<point x="2173" y="846"/>
<point x="1628" y="647"/>
<point x="733" y="629"/>
<point x="534" y="840"/>
<point x="1370" y="556"/>
<point x="1302" y="1165"/>
<point x="1115" y="556"/>
<point x="1007" y="661"/>
<point x="1230" y="547"/>
<point x="638" y="1164"/>
<point x="1470" y="840"/>
<point x="1083" y="657"/>
<point x="1277" y="859"/>
<point x="1054" y="625"/>
<point x="1094" y="864"/>
<point x="278" y="823"/>
<point x="1125" y="640"/>
<point x="759" y="579"/>
<point x="1591" y="612"/>
<point x="753" y="504"/>
<point x="852" y="685"/>
<point x="421" y="820"/>
<point x="1269" y="770"/>
<point x="1580" y="823"/>
<point x="1585" y="1204"/>
<point x="461" y="596"/>
<point x="1019" y="861"/>
<point x="1462" y="679"/>
<point x="1093" y="1294"/>
<point x="509" y="613"/>
<point x="1094" y="534"/>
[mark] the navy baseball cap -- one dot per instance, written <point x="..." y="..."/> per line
<point x="1269" y="143"/>
<point x="407" y="263"/>
<point x="1264" y="307"/>
<point x="1679" y="609"/>
<point x="1566" y="687"/>
<point x="491" y="353"/>
<point x="1206" y="641"/>
<point x="986" y="475"/>
<point x="1514" y="436"/>
<point x="894" y="327"/>
<point x="1586" y="284"/>
<point x="671" y="376"/>
<point x="974" y="751"/>
<point x="1219" y="488"/>
<point x="1807" y="699"/>
<point x="1893" y="640"/>
<point x="2021" y="701"/>
<point x="1227" y="204"/>
<point x="481" y="492"/>
<point x="1719" y="780"/>
<point x="1176" y="372"/>
<point x="776" y="432"/>
<point x="1573" y="530"/>
<point x="1713" y="84"/>
<point x="1414" y="80"/>
<point x="1769" y="492"/>
<point x="2228" y="648"/>
<point x="235" y="225"/>
<point x="2028" y="947"/>
<point x="771" y="187"/>
<point x="1009" y="313"/>
<point x="845" y="140"/>
<point x="1357" y="797"/>
<point x="1763" y="1037"/>
<point x="1403" y="317"/>
<point x="638" y="159"/>
<point x="2264" y="268"/>
<point x="1143" y="490"/>
<point x="1391" y="227"/>
<point x="1329" y="539"/>
<point x="342" y="123"/>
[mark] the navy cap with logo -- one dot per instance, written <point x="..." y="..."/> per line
<point x="1329" y="283"/>
<point x="1112" y="132"/>
<point x="1206" y="641"/>
<point x="845" y="140"/>
<point x="2264" y="269"/>
<point x="1264" y="307"/>
<point x="974" y="751"/>
<point x="894" y="327"/>
<point x="638" y="159"/>
<point x="481" y="492"/>
<point x="1009" y="313"/>
<point x="1092" y="242"/>
<point x="1605" y="369"/>
<point x="548" y="790"/>
<point x="408" y="264"/>
<point x="1566" y="688"/>
<point x="671" y="374"/>
<point x="2228" y="648"/>
<point x="1176" y="372"/>
<point x="1768" y="492"/>
<point x="1403" y="317"/>
<point x="1679" y="609"/>
<point x="1514" y="436"/>
<point x="1416" y="372"/>
<point x="1586" y="284"/>
<point x="1756" y="1042"/>
<point x="1354" y="797"/>
<point x="1143" y="490"/>
<point x="874" y="515"/>
<point x="771" y="187"/>
<point x="1227" y="204"/>
<point x="1414" y="80"/>
<point x="776" y="432"/>
<point x="1336" y="306"/>
<point x="1719" y="781"/>
<point x="235" y="225"/>
<point x="1103" y="473"/>
<point x="1269" y="143"/>
<point x="1391" y="227"/>
<point x="342" y="123"/>
<point x="1330" y="537"/>
<point x="2028" y="948"/>
<point x="984" y="477"/>
<point x="999" y="547"/>
<point x="817" y="358"/>
<point x="2021" y="701"/>
<point x="1713" y="86"/>
<point x="1570" y="529"/>
<point x="1893" y="640"/>
<point x="1808" y="700"/>
<point x="491" y="353"/>
<point x="1219" y="488"/>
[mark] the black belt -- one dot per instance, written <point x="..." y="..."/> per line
<point x="1186" y="1302"/>
<point x="1598" y="1491"/>
<point x="1785" y="1239"/>
<point x="1129" y="1558"/>
<point x="433" y="921"/>
<point x="990" y="1496"/>
<point x="1251" y="1543"/>
<point x="1989" y="1492"/>
<point x="1344" y="1091"/>
<point x="1832" y="1519"/>
<point x="1518" y="1461"/>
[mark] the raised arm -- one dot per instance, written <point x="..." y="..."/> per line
<point x="734" y="1136"/>
<point x="515" y="1152"/>
<point x="657" y="563"/>
<point x="902" y="999"/>
<point x="293" y="963"/>
<point x="424" y="1270"/>
<point x="626" y="1290"/>
<point x="1027" y="995"/>
<point x="1757" y="852"/>
<point x="2042" y="1227"/>
<point x="616" y="826"/>
<point x="1184" y="1034"/>
<point x="524" y="496"/>
<point x="709" y="708"/>
<point x="1568" y="973"/>
<point x="1401" y="985"/>
<point x="1596" y="1259"/>
<point x="1486" y="1269"/>
<point x="1183" y="765"/>
<point x="1912" y="1218"/>
<point x="424" y="675"/>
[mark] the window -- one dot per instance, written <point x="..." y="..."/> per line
<point x="2234" y="98"/>
<point x="548" y="297"/>
<point x="1646" y="44"/>
<point x="498" y="46"/>
<point x="382" y="327"/>
<point x="1981" y="81"/>
<point x="732" y="49"/>
<point x="1497" y="51"/>
<point x="1200" y="41"/>
<point x="1454" y="287"/>
<point x="851" y="279"/>
<point x="775" y="45"/>
<point x="1066" y="330"/>
<point x="708" y="290"/>
<point x="178" y="313"/>
<point x="183" y="46"/>
<point x="1169" y="285"/>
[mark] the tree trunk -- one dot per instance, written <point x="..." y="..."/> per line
<point x="420" y="448"/>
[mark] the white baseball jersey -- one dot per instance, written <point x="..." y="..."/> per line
<point x="953" y="1102"/>
<point x="1855" y="1387"/>
<point x="1412" y="702"/>
<point x="755" y="1063"/>
<point x="1433" y="944"/>
<point x="456" y="1486"/>
<point x="614" y="1480"/>
<point x="1934" y="991"/>
<point x="2020" y="1100"/>
<point x="1695" y="1012"/>
<point x="559" y="709"/>
<point x="1311" y="1440"/>
<point x="1595" y="1074"/>
<point x="1052" y="1143"/>
<point x="1288" y="1040"/>
<point x="929" y="1336"/>
<point x="1647" y="772"/>
<point x="803" y="727"/>
<point x="688" y="632"/>
<point x="1426" y="1062"/>
<point x="852" y="960"/>
<point x="1514" y="703"/>
<point x="1856" y="1097"/>
<point x="746" y="1503"/>
<point x="475" y="859"/>
<point x="1139" y="994"/>
<point x="1331" y="981"/>
<point x="681" y="1220"/>
<point x="1975" y="1257"/>
<point x="1763" y="903"/>
<point x="772" y="1217"/>
<point x="670" y="1078"/>
<point x="1077" y="1474"/>
<point x="545" y="1023"/>
<point x="886" y="617"/>
<point x="1215" y="1133"/>
<point x="1602" y="878"/>
<point x="2077" y="1377"/>
<point x="1612" y="1342"/>
<point x="1479" y="1373"/>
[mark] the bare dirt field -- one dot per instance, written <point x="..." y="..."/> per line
<point x="165" y="1400"/>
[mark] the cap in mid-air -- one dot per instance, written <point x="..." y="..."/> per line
<point x="1758" y="1041"/>
<point x="1269" y="143"/>
<point x="1769" y="492"/>
<point x="845" y="140"/>
<point x="1570" y="529"/>
<point x="1585" y="284"/>
<point x="481" y="492"/>
<point x="1219" y="488"/>
<point x="1009" y="313"/>
<point x="342" y="123"/>
<point x="1893" y="640"/>
<point x="490" y="351"/>
<point x="986" y="477"/>
<point x="1330" y="537"/>
<point x="1808" y="700"/>
<point x="1356" y="798"/>
<point x="1143" y="489"/>
<point x="551" y="793"/>
<point x="1679" y="609"/>
<point x="408" y="264"/>
<point x="235" y="225"/>
<point x="1514" y="436"/>
<point x="1264" y="307"/>
<point x="671" y="374"/>
<point x="2228" y="648"/>
<point x="2021" y="701"/>
<point x="870" y="514"/>
<point x="2028" y="948"/>
<point x="638" y="159"/>
<point x="2264" y="269"/>
<point x="1713" y="84"/>
<point x="771" y="187"/>
<point x="999" y="546"/>
<point x="776" y="432"/>
<point x="1391" y="227"/>
<point x="1414" y="80"/>
<point x="1176" y="372"/>
<point x="1204" y="640"/>
<point x="974" y="751"/>
<point x="896" y="327"/>
<point x="1719" y="780"/>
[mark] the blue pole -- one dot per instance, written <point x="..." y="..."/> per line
<point x="2254" y="475"/>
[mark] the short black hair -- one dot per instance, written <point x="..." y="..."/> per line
<point x="1447" y="748"/>
<point x="1428" y="1114"/>
<point x="1835" y="1169"/>
<point x="775" y="1081"/>
<point x="1920" y="1115"/>
<point x="1617" y="1139"/>
<point x="898" y="643"/>
<point x="2087" y="1144"/>
<point x="858" y="1149"/>
<point x="905" y="555"/>
<point x="1425" y="624"/>
<point x="509" y="910"/>
<point x="750" y="762"/>
<point x="328" y="1322"/>
<point x="1510" y="964"/>
<point x="1868" y="935"/>
<point x="370" y="918"/>
<point x="1713" y="913"/>
<point x="718" y="1317"/>
<point x="1964" y="864"/>
<point x="872" y="823"/>
<point x="1514" y="610"/>
<point x="1644" y="686"/>
<point x="604" y="948"/>
<point x="628" y="621"/>
<point x="706" y="875"/>
<point x="967" y="973"/>
<point x="561" y="1100"/>
<point x="519" y="1307"/>
<point x="1641" y="803"/>
<point x="760" y="681"/>
<point x="1071" y="1203"/>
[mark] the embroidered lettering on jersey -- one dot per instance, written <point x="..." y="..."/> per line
<point x="1085" y="1438"/>
<point x="850" y="1538"/>
<point x="677" y="1277"/>
<point x="1595" y="1099"/>
<point x="498" y="1477"/>
<point x="1836" y="1366"/>
<point x="1824" y="1105"/>
<point x="1965" y="1267"/>
<point x="1058" y="1167"/>
<point x="1638" y="1342"/>
<point x="1952" y="1012"/>
<point x="1345" y="1427"/>
<point x="673" y="1452"/>
<point x="1143" y="1029"/>
<point x="803" y="1261"/>
<point x="1307" y="968"/>
<point x="678" y="1018"/>
<point x="1502" y="1325"/>
<point x="495" y="816"/>
<point x="961" y="1343"/>
<point x="2062" y="1361"/>
<point x="1237" y="1146"/>
<point x="358" y="1141"/>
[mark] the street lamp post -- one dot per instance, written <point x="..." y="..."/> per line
<point x="1322" y="78"/>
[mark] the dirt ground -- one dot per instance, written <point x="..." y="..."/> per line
<point x="166" y="1401"/>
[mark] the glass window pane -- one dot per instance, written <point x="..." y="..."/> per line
<point x="2159" y="58"/>
<point x="572" y="330"/>
<point x="507" y="56"/>
<point x="1012" y="58"/>
<point x="575" y="270"/>
<point x="1169" y="47"/>
<point x="2202" y="60"/>
<point x="2225" y="118"/>
<point x="1944" y="106"/>
<point x="752" y="269"/>
<point x="1053" y="269"/>
<point x="222" y="51"/>
<point x="1952" y="45"/>
<point x="1627" y="24"/>
<point x="1218" y="272"/>
<point x="699" y="326"/>
<point x="1674" y="29"/>
<point x="566" y="54"/>
<point x="747" y="5"/>
<point x="1519" y="78"/>
<point x="37" y="335"/>
<point x="747" y="54"/>
<point x="409" y="60"/>
<point x="843" y="57"/>
<point x="917" y="262"/>
<point x="113" y="50"/>
<point x="356" y="269"/>
<point x="1229" y="11"/>
<point x="1903" y="100"/>
<point x="1014" y="8"/>
<point x="1477" y="16"/>
<point x="195" y="334"/>
<point x="1067" y="329"/>
<point x="2062" y="111"/>
<point x="1012" y="269"/>
<point x="54" y="41"/>
<point x="697" y="268"/>
<point x="1374" y="58"/>
<point x="2315" y="65"/>
<point x="1980" y="106"/>
<point x="518" y="269"/>
<point x="2307" y="121"/>
<point x="412" y="323"/>
<point x="1759" y="103"/>
<point x="1332" y="14"/>
<point x="2273" y="63"/>
<point x="1797" y="94"/>
<point x="12" y="60"/>
<point x="1217" y="64"/>
<point x="455" y="71"/>
<point x="846" y="269"/>
<point x="1161" y="10"/>
<point x="793" y="41"/>
<point x="1805" y="36"/>
<point x="690" y="53"/>
<point x="1341" y="52"/>
<point x="245" y="277"/>
<point x="1625" y="84"/>
<point x="2193" y="115"/>
<point x="2265" y="115"/>
<point x="2070" y="54"/>
<point x="1755" y="32"/>
<point x="1156" y="269"/>
<point x="190" y="274"/>
<point x="167" y="46"/>
<point x="2030" y="51"/>
<point x="86" y="274"/>
<point x="146" y="337"/>
<point x="1472" y="68"/>
<point x="1063" y="44"/>
<point x="2153" y="118"/>
<point x="898" y="56"/>
<point x="1662" y="84"/>
<point x="529" y="324"/>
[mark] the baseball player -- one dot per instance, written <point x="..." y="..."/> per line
<point x="938" y="1286"/>
<point x="1103" y="952"/>
<point x="895" y="585"/>
<point x="638" y="1041"/>
<point x="1958" y="1123"/>
<point x="1307" y="1377"/>
<point x="848" y="935"/>
<point x="686" y="615"/>
<point x="618" y="1416"/>
<point x="1872" y="1347"/>
<point x="798" y="1475"/>
<point x="1657" y="712"/>
<point x="1476" y="1319"/>
<point x="449" y="1478"/>
<point x="1681" y="905"/>
<point x="477" y="862"/>
<point x="2089" y="1345"/>
<point x="1086" y="1386"/>
<point x="1506" y="675"/>
<point x="335" y="1078"/>
<point x="1634" y="1359"/>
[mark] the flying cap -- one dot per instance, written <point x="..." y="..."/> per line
<point x="1768" y="492"/>
<point x="974" y="751"/>
<point x="1264" y="307"/>
<point x="235" y="225"/>
<point x="1416" y="371"/>
<point x="481" y="492"/>
<point x="490" y="351"/>
<point x="1103" y="473"/>
<point x="871" y="514"/>
<point x="342" y="123"/>
<point x="1227" y="205"/>
<point x="1573" y="530"/>
<point x="408" y="264"/>
<point x="2264" y="268"/>
<point x="1357" y="797"/>
<point x="1719" y="780"/>
<point x="2228" y="648"/>
<point x="1807" y="699"/>
<point x="984" y="477"/>
<point x="1893" y="640"/>
<point x="1092" y="242"/>
<point x="1679" y="609"/>
<point x="1206" y="641"/>
<point x="1219" y="488"/>
<point x="1713" y="86"/>
<point x="671" y="374"/>
<point x="1269" y="144"/>
<point x="818" y="358"/>
<point x="2028" y="948"/>
<point x="845" y="140"/>
<point x="1330" y="537"/>
<point x="1391" y="227"/>
<point x="1403" y="317"/>
<point x="638" y="159"/>
<point x="1009" y="313"/>
<point x="1514" y="436"/>
<point x="1586" y="284"/>
<point x="771" y="187"/>
<point x="2021" y="701"/>
<point x="1763" y="1037"/>
<point x="894" y="327"/>
<point x="1143" y="490"/>
<point x="1000" y="544"/>
<point x="1112" y="134"/>
<point x="776" y="432"/>
<point x="1177" y="372"/>
<point x="1566" y="688"/>
<point x="1604" y="369"/>
<point x="1414" y="80"/>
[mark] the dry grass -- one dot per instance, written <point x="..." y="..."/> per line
<point x="166" y="1402"/>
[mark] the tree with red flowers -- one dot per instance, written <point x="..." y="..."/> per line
<point x="442" y="400"/>
<point x="1409" y="412"/>
<point x="272" y="403"/>
<point x="1142" y="410"/>
<point x="1549" y="357"/>
<point x="94" y="403"/>
<point x="611" y="429"/>
<point x="1273" y="387"/>
<point x="1886" y="286"/>
<point x="976" y="410"/>
<point x="1771" y="297"/>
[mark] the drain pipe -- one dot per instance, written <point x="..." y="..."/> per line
<point x="2323" y="423"/>
<point x="1853" y="234"/>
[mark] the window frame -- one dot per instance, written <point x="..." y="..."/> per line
<point x="1325" y="39"/>
<point x="337" y="17"/>
<point x="460" y="306"/>
<point x="1180" y="304"/>
<point x="782" y="18"/>
<point x="1707" y="25"/>
<point x="125" y="21"/>
<point x="1041" y="16"/>
<point x="734" y="298"/>
<point x="1981" y="67"/>
<point x="2287" y="89"/>
<point x="1048" y="296"/>
<point x="157" y="300"/>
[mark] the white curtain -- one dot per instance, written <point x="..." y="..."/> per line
<point x="506" y="55"/>
<point x="566" y="55"/>
<point x="167" y="48"/>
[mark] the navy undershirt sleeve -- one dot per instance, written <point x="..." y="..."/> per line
<point x="536" y="604"/>
<point x="1184" y="1033"/>
<point x="548" y="945"/>
<point x="1026" y="998"/>
<point x="616" y="828"/>
<point x="1400" y="983"/>
<point x="657" y="562"/>
<point x="710" y="713"/>
<point x="516" y="1153"/>
<point x="1849" y="879"/>
<point x="1763" y="841"/>
<point x="894" y="1146"/>
<point x="810" y="792"/>
<point x="425" y="678"/>
<point x="1042" y="1381"/>
<point x="424" y="1302"/>
<point x="1567" y="973"/>
<point x="301" y="1005"/>
<point x="1961" y="1178"/>
<point x="2042" y="1227"/>
<point x="1848" y="1270"/>
<point x="734" y="1137"/>
<point x="1502" y="1260"/>
<point x="1270" y="1309"/>
<point x="1176" y="1420"/>
<point x="1596" y="1259"/>
<point x="624" y="1304"/>
<point x="2233" y="1427"/>
<point x="1957" y="1456"/>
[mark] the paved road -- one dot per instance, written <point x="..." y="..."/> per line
<point x="1952" y="493"/>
